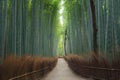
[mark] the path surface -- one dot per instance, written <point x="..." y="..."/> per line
<point x="62" y="72"/>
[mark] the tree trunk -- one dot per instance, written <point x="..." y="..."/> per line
<point x="65" y="40"/>
<point x="95" y="46"/>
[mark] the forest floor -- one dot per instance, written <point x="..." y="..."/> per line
<point x="63" y="72"/>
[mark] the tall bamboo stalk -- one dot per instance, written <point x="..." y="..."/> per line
<point x="5" y="27"/>
<point x="95" y="46"/>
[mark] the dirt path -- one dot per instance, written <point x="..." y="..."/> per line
<point x="62" y="72"/>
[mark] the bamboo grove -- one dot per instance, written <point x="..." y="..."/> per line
<point x="28" y="26"/>
<point x="31" y="27"/>
<point x="80" y="27"/>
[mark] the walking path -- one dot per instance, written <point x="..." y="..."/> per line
<point x="62" y="72"/>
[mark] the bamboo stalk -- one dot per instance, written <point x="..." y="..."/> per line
<point x="95" y="46"/>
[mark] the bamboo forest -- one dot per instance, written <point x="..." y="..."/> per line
<point x="59" y="40"/>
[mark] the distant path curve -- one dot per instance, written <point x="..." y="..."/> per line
<point x="62" y="72"/>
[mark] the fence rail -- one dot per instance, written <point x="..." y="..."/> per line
<point x="97" y="72"/>
<point x="27" y="74"/>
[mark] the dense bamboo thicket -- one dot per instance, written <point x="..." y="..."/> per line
<point x="108" y="17"/>
<point x="79" y="27"/>
<point x="81" y="17"/>
<point x="26" y="68"/>
<point x="93" y="26"/>
<point x="28" y="27"/>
